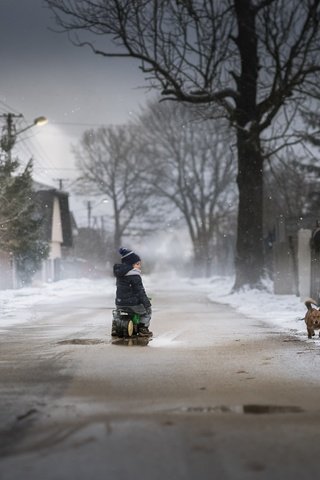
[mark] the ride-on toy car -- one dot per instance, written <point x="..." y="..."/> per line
<point x="125" y="322"/>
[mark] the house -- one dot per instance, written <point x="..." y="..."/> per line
<point x="57" y="228"/>
<point x="296" y="257"/>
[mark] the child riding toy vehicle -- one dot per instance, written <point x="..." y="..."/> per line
<point x="125" y="322"/>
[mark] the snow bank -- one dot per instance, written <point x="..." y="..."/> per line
<point x="16" y="305"/>
<point x="283" y="311"/>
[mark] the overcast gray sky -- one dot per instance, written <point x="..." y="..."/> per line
<point x="42" y="73"/>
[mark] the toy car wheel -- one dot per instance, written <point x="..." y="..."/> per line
<point x="130" y="328"/>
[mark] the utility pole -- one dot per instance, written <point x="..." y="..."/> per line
<point x="8" y="138"/>
<point x="9" y="131"/>
<point x="102" y="224"/>
<point x="60" y="181"/>
<point x="89" y="208"/>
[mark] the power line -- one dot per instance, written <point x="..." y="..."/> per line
<point x="40" y="157"/>
<point x="43" y="161"/>
<point x="63" y="168"/>
<point x="10" y="139"/>
<point x="8" y="107"/>
<point x="79" y="124"/>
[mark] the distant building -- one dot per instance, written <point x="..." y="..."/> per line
<point x="296" y="257"/>
<point x="57" y="228"/>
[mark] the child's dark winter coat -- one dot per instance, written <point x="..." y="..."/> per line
<point x="130" y="289"/>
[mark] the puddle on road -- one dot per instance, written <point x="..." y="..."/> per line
<point x="253" y="409"/>
<point x="127" y="342"/>
<point x="81" y="341"/>
<point x="27" y="414"/>
<point x="132" y="341"/>
<point x="263" y="409"/>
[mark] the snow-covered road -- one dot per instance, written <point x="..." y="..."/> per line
<point x="214" y="394"/>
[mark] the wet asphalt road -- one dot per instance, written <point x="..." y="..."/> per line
<point x="213" y="395"/>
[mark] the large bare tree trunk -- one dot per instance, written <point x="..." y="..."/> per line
<point x="249" y="256"/>
<point x="249" y="251"/>
<point x="202" y="255"/>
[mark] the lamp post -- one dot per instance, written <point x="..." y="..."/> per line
<point x="8" y="138"/>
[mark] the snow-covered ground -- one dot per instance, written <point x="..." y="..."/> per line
<point x="283" y="311"/>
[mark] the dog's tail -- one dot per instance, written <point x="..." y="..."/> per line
<point x="310" y="302"/>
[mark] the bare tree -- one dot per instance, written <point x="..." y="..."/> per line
<point x="195" y="177"/>
<point x="112" y="166"/>
<point x="311" y="134"/>
<point x="250" y="59"/>
<point x="292" y="188"/>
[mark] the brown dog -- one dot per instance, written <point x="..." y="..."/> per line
<point x="312" y="317"/>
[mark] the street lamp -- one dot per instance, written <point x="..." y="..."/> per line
<point x="8" y="139"/>
<point x="39" y="121"/>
